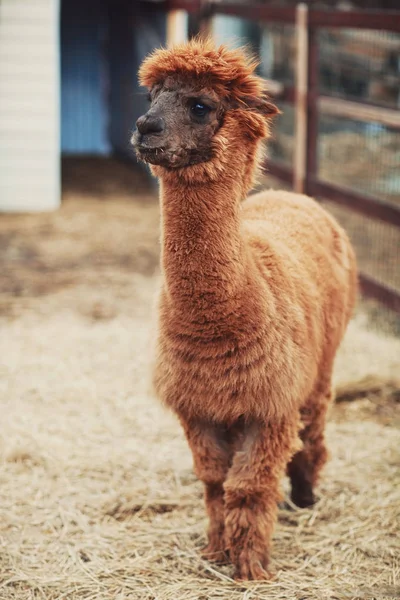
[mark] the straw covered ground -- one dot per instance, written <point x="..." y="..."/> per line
<point x="97" y="495"/>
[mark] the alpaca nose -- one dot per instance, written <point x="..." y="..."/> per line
<point x="150" y="124"/>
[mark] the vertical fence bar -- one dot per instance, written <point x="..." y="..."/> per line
<point x="300" y="153"/>
<point x="206" y="19"/>
<point x="177" y="27"/>
<point x="312" y="102"/>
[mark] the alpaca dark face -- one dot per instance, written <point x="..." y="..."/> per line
<point x="178" y="128"/>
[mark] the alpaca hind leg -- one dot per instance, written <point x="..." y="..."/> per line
<point x="305" y="466"/>
<point x="252" y="492"/>
<point x="212" y="457"/>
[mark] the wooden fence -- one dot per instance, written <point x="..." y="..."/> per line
<point x="309" y="103"/>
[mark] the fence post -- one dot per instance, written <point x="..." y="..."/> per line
<point x="312" y="102"/>
<point x="301" y="111"/>
<point x="206" y="19"/>
<point x="177" y="27"/>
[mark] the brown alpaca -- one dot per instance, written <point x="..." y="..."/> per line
<point x="255" y="299"/>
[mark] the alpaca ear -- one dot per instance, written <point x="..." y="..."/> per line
<point x="263" y="106"/>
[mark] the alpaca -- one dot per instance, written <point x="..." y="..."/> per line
<point x="255" y="297"/>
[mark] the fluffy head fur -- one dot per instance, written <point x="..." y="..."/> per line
<point x="229" y="72"/>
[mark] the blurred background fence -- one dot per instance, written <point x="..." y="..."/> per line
<point x="68" y="71"/>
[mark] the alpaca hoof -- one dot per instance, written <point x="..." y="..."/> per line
<point x="304" y="501"/>
<point x="215" y="553"/>
<point x="252" y="572"/>
<point x="302" y="494"/>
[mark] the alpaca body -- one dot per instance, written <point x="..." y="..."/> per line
<point x="255" y="299"/>
<point x="256" y="349"/>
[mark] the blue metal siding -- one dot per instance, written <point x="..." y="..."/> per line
<point x="135" y="30"/>
<point x="83" y="77"/>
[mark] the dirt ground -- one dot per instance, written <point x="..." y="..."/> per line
<point x="97" y="495"/>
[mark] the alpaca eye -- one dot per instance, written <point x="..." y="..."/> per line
<point x="199" y="109"/>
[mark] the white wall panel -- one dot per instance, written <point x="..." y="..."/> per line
<point x="29" y="105"/>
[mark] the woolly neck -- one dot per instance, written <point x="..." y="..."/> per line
<point x="203" y="254"/>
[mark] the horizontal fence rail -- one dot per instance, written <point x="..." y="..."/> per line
<point x="310" y="104"/>
<point x="359" y="111"/>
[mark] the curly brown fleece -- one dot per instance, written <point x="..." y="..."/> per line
<point x="255" y="300"/>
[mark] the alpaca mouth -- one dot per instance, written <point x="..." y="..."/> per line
<point x="165" y="156"/>
<point x="170" y="158"/>
<point x="148" y="152"/>
<point x="162" y="156"/>
<point x="154" y="156"/>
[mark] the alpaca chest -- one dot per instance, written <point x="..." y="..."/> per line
<point x="222" y="379"/>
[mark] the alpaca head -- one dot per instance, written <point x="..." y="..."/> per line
<point x="206" y="104"/>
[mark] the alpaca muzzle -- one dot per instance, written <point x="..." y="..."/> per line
<point x="149" y="124"/>
<point x="146" y="138"/>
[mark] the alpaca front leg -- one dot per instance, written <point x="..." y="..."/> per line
<point x="212" y="456"/>
<point x="252" y="493"/>
<point x="214" y="498"/>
